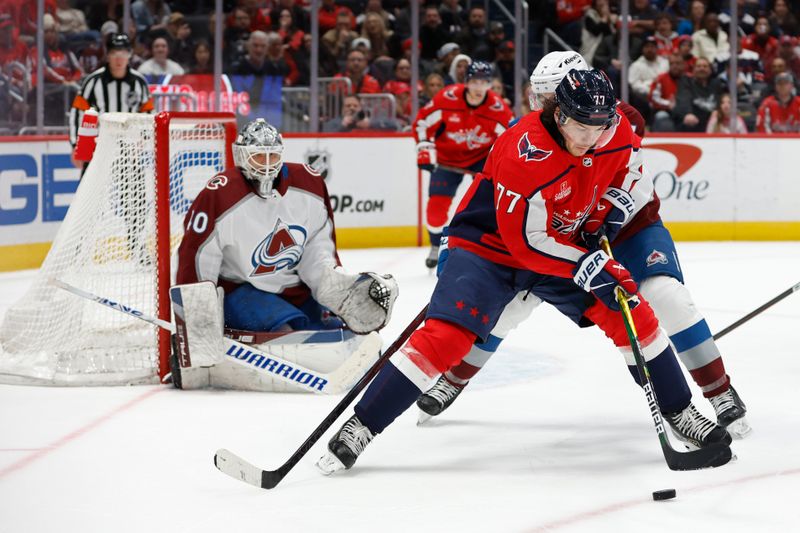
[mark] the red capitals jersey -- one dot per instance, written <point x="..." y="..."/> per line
<point x="527" y="207"/>
<point x="776" y="118"/>
<point x="463" y="134"/>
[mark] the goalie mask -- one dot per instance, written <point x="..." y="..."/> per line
<point x="258" y="153"/>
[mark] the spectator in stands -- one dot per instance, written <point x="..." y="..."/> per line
<point x="72" y="23"/>
<point x="278" y="61"/>
<point x="569" y="14"/>
<point x="782" y="19"/>
<point x="458" y="69"/>
<point x="375" y="6"/>
<point x="14" y="55"/>
<point x="497" y="35"/>
<point x="685" y="51"/>
<point x="666" y="37"/>
<point x="150" y="15"/>
<point x="379" y="36"/>
<point x="402" y="98"/>
<point x="202" y="62"/>
<point x="354" y="118"/>
<point x="750" y="73"/>
<point x="182" y="44"/>
<point x="446" y="54"/>
<point x="472" y="37"/>
<point x="254" y="61"/>
<point x="696" y="98"/>
<point x="235" y="36"/>
<point x="746" y="12"/>
<point x="694" y="23"/>
<point x="329" y="14"/>
<point x="711" y="41"/>
<point x="291" y="35"/>
<point x="642" y="24"/>
<point x="300" y="16"/>
<point x="720" y="119"/>
<point x="356" y="71"/>
<point x="94" y="55"/>
<point x="788" y="52"/>
<point x="338" y="39"/>
<point x="504" y="66"/>
<point x="780" y="113"/>
<point x="402" y="74"/>
<point x="61" y="67"/>
<point x="433" y="84"/>
<point x="499" y="89"/>
<point x="453" y="17"/>
<point x="363" y="45"/>
<point x="663" y="94"/>
<point x="761" y="42"/>
<point x="598" y="22"/>
<point x="258" y="16"/>
<point x="646" y="68"/>
<point x="432" y="33"/>
<point x="159" y="63"/>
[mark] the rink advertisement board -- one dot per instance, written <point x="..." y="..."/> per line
<point x="711" y="187"/>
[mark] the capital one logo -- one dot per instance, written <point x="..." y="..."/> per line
<point x="671" y="184"/>
<point x="281" y="249"/>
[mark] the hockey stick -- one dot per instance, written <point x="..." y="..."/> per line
<point x="713" y="455"/>
<point x="457" y="170"/>
<point x="231" y="464"/>
<point x="756" y="312"/>
<point x="250" y="356"/>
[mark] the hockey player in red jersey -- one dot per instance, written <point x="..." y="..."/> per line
<point x="263" y="231"/>
<point x="646" y="248"/>
<point x="456" y="130"/>
<point x="521" y="227"/>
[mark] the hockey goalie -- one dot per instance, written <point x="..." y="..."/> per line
<point x="258" y="262"/>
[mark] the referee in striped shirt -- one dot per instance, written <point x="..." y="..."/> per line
<point x="114" y="87"/>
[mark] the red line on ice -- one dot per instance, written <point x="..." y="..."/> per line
<point x="594" y="513"/>
<point x="42" y="452"/>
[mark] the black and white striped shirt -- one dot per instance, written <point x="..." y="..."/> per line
<point x="108" y="94"/>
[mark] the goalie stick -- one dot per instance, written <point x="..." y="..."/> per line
<point x="253" y="358"/>
<point x="716" y="454"/>
<point x="231" y="464"/>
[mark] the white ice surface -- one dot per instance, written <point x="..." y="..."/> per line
<point x="552" y="436"/>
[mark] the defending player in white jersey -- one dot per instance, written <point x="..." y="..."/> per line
<point x="454" y="131"/>
<point x="646" y="248"/>
<point x="263" y="232"/>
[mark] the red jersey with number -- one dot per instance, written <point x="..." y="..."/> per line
<point x="527" y="207"/>
<point x="463" y="134"/>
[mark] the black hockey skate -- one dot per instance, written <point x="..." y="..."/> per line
<point x="433" y="257"/>
<point x="730" y="411"/>
<point x="437" y="399"/>
<point x="345" y="446"/>
<point x="694" y="429"/>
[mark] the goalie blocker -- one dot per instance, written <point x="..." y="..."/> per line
<point x="325" y="361"/>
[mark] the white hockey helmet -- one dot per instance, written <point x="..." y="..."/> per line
<point x="258" y="152"/>
<point x="549" y="72"/>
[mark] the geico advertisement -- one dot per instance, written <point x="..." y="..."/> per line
<point x="372" y="180"/>
<point x="724" y="179"/>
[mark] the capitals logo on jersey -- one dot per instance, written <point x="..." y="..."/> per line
<point x="529" y="151"/>
<point x="473" y="138"/>
<point x="282" y="249"/>
<point x="566" y="222"/>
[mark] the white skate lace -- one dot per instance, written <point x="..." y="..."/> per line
<point x="692" y="424"/>
<point x="355" y="436"/>
<point x="443" y="391"/>
<point x="722" y="402"/>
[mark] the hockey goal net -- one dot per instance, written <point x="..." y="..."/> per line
<point x="125" y="222"/>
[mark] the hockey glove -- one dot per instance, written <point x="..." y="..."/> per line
<point x="426" y="156"/>
<point x="599" y="274"/>
<point x="612" y="212"/>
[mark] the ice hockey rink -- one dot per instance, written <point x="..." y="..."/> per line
<point x="552" y="436"/>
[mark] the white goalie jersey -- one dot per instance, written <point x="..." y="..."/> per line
<point x="281" y="244"/>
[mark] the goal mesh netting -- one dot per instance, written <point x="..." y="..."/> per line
<point x="116" y="240"/>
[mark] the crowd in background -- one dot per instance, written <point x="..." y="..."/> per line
<point x="677" y="75"/>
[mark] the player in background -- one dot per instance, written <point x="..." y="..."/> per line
<point x="646" y="248"/>
<point x="519" y="228"/>
<point x="456" y="130"/>
<point x="263" y="231"/>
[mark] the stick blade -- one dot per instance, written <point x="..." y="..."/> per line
<point x="231" y="464"/>
<point x="712" y="456"/>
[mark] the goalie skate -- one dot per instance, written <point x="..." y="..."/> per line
<point x="730" y="411"/>
<point x="695" y="430"/>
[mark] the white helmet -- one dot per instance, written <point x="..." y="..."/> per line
<point x="549" y="72"/>
<point x="259" y="138"/>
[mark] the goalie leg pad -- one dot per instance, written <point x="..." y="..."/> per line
<point x="198" y="324"/>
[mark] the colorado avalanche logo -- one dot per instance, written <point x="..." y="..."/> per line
<point x="216" y="182"/>
<point x="656" y="257"/>
<point x="529" y="151"/>
<point x="282" y="249"/>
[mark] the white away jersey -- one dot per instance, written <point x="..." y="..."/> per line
<point x="279" y="245"/>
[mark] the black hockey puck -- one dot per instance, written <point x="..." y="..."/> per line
<point x="666" y="494"/>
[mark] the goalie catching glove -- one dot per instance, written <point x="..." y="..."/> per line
<point x="364" y="301"/>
